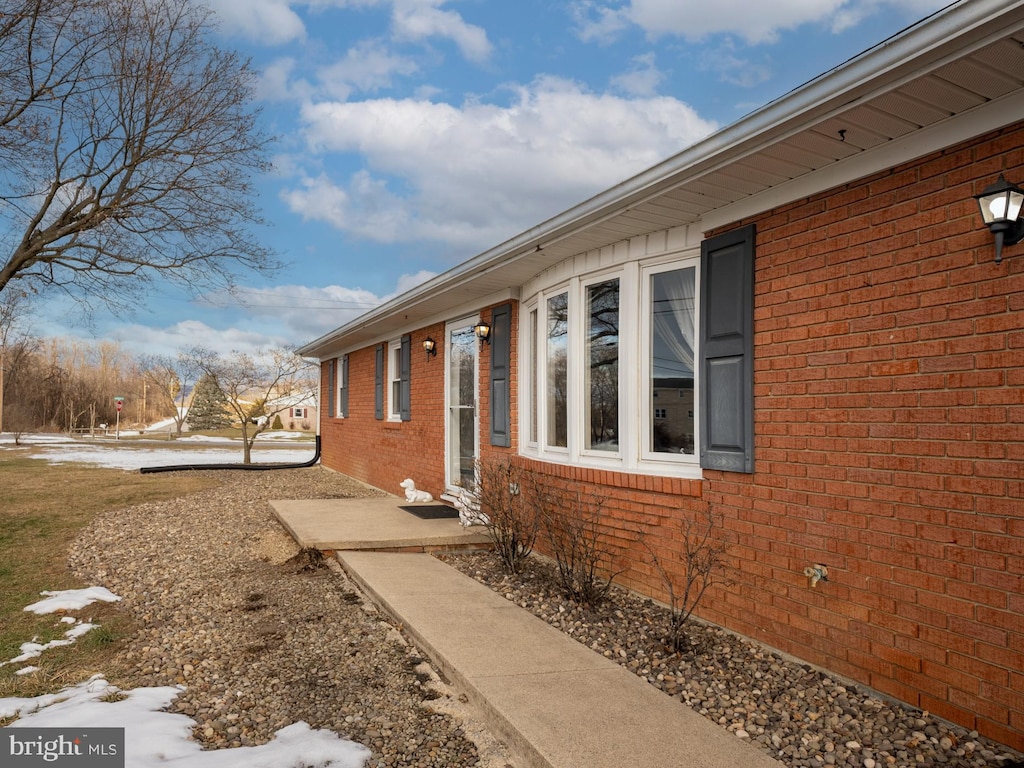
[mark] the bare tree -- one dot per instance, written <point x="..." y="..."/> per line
<point x="701" y="556"/>
<point x="171" y="378"/>
<point x="13" y="312"/>
<point x="128" y="145"/>
<point x="587" y="564"/>
<point x="258" y="387"/>
<point x="507" y="502"/>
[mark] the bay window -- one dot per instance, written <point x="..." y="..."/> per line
<point x="644" y="366"/>
<point x="610" y="369"/>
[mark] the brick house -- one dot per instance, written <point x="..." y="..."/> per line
<point x="799" y="320"/>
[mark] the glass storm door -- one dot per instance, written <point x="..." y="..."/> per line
<point x="461" y="403"/>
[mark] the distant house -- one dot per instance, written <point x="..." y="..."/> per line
<point x="799" y="320"/>
<point x="297" y="410"/>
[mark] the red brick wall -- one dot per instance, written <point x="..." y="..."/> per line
<point x="889" y="433"/>
<point x="383" y="453"/>
<point x="889" y="408"/>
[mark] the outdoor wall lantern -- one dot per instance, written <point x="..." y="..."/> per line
<point x="1000" y="205"/>
<point x="430" y="346"/>
<point x="483" y="332"/>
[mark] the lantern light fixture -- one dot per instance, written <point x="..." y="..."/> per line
<point x="483" y="332"/>
<point x="1000" y="205"/>
<point x="430" y="347"/>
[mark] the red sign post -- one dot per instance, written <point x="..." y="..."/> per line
<point x="119" y="404"/>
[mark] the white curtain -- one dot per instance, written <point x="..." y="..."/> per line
<point x="673" y="314"/>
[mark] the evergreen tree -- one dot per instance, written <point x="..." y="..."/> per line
<point x="209" y="406"/>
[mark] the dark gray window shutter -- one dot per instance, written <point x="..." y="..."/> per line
<point x="332" y="365"/>
<point x="378" y="384"/>
<point x="405" y="379"/>
<point x="727" y="351"/>
<point x="344" y="387"/>
<point x="501" y="362"/>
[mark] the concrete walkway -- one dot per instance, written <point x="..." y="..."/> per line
<point x="556" y="703"/>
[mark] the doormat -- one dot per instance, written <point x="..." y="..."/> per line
<point x="432" y="511"/>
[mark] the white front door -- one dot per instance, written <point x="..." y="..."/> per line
<point x="463" y="434"/>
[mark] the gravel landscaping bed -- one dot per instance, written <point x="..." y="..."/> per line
<point x="261" y="635"/>
<point x="799" y="715"/>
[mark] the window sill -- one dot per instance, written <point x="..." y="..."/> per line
<point x="687" y="471"/>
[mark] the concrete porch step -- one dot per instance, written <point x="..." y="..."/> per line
<point x="374" y="523"/>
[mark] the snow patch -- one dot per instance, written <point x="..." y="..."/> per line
<point x="71" y="600"/>
<point x="156" y="739"/>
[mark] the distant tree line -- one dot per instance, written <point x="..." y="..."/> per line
<point x="55" y="385"/>
<point x="61" y="385"/>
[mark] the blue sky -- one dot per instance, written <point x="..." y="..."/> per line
<point x="414" y="134"/>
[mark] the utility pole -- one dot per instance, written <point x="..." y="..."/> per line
<point x="2" y="347"/>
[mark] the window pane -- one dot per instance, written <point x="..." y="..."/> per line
<point x="557" y="351"/>
<point x="672" y="342"/>
<point x="394" y="374"/>
<point x="534" y="367"/>
<point x="602" y="385"/>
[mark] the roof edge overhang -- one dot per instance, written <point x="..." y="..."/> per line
<point x="948" y="34"/>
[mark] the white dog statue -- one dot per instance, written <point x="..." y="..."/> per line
<point x="411" y="494"/>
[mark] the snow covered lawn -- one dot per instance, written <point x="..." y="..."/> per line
<point x="271" y="447"/>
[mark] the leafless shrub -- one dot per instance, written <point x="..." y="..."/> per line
<point x="700" y="565"/>
<point x="585" y="563"/>
<point x="505" y="499"/>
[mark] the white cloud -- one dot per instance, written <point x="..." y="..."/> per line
<point x="422" y="19"/>
<point x="598" y="24"/>
<point x="408" y="282"/>
<point x="754" y="22"/>
<point x="724" y="61"/>
<point x="365" y="208"/>
<point x="642" y="79"/>
<point x="299" y="313"/>
<point x="256" y="319"/>
<point x="188" y="333"/>
<point x="271" y="22"/>
<point x="473" y="175"/>
<point x="274" y="22"/>
<point x="367" y="66"/>
<point x="853" y="13"/>
<point x="278" y="83"/>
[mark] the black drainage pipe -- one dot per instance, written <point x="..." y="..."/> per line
<point x="250" y="467"/>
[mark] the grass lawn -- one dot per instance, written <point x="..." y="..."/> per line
<point x="43" y="506"/>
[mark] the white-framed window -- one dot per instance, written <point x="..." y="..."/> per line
<point x="556" y="368"/>
<point x="532" y="365"/>
<point x="601" y="351"/>
<point x="601" y="314"/>
<point x="668" y="298"/>
<point x="394" y="373"/>
<point x="298" y="413"/>
<point x="341" y="401"/>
